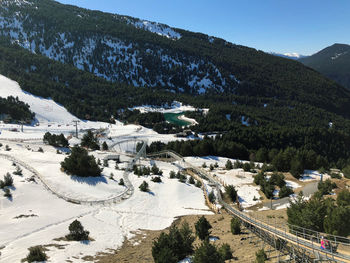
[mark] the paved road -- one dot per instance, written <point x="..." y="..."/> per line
<point x="308" y="190"/>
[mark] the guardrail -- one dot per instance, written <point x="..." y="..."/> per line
<point x="115" y="199"/>
<point x="310" y="242"/>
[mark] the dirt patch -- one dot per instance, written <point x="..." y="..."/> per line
<point x="58" y="246"/>
<point x="244" y="246"/>
<point x="25" y="216"/>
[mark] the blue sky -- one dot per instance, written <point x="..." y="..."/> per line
<point x="301" y="26"/>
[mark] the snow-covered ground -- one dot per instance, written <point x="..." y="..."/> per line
<point x="35" y="216"/>
<point x="46" y="110"/>
<point x="243" y="181"/>
<point x="310" y="175"/>
<point x="54" y="118"/>
<point x="49" y="217"/>
<point x="175" y="107"/>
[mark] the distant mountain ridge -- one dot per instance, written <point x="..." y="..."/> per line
<point x="333" y="62"/>
<point x="294" y="56"/>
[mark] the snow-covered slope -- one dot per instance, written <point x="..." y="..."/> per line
<point x="113" y="56"/>
<point x="34" y="216"/>
<point x="157" y="28"/>
<point x="46" y="110"/>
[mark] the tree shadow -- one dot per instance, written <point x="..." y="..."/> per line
<point x="211" y="157"/>
<point x="151" y="193"/>
<point x="89" y="180"/>
<point x="240" y="199"/>
<point x="85" y="242"/>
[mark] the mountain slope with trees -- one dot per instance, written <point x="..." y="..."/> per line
<point x="273" y="103"/>
<point x="333" y="62"/>
<point x="130" y="51"/>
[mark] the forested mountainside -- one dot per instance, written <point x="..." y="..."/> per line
<point x="97" y="65"/>
<point x="333" y="62"/>
<point x="248" y="123"/>
<point x="13" y="110"/>
<point x="146" y="54"/>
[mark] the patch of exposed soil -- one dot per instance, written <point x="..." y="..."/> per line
<point x="244" y="246"/>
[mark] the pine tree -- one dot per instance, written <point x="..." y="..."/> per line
<point x="79" y="163"/>
<point x="36" y="254"/>
<point x="235" y="226"/>
<point x="211" y="197"/>
<point x="191" y="180"/>
<point x="18" y="171"/>
<point x="225" y="251"/>
<point x="144" y="187"/>
<point x="202" y="227"/>
<point x="207" y="253"/>
<point x="77" y="232"/>
<point x="231" y="192"/>
<point x="229" y="165"/>
<point x="121" y="181"/>
<point x="8" y="180"/>
<point x="104" y="146"/>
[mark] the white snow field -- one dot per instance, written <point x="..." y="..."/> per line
<point x="243" y="181"/>
<point x="175" y="107"/>
<point x="49" y="217"/>
<point x="46" y="110"/>
<point x="35" y="216"/>
<point x="311" y="175"/>
<point x="54" y="118"/>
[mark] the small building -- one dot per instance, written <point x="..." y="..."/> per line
<point x="112" y="157"/>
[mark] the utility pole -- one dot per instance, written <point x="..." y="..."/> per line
<point x="21" y="123"/>
<point x="76" y="127"/>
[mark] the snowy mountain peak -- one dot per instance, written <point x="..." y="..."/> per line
<point x="292" y="55"/>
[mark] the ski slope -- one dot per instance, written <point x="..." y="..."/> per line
<point x="46" y="110"/>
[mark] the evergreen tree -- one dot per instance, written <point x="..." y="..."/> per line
<point x="144" y="187"/>
<point x="104" y="146"/>
<point x="337" y="221"/>
<point x="229" y="165"/>
<point x="172" y="174"/>
<point x="225" y="251"/>
<point x="174" y="246"/>
<point x="207" y="253"/>
<point x="36" y="254"/>
<point x="121" y="181"/>
<point x="77" y="232"/>
<point x="343" y="198"/>
<point x="285" y="191"/>
<point x="8" y="180"/>
<point x="326" y="187"/>
<point x="296" y="168"/>
<point x="211" y="197"/>
<point x="7" y="193"/>
<point x="191" y="180"/>
<point x="202" y="227"/>
<point x="261" y="256"/>
<point x="90" y="141"/>
<point x="235" y="226"/>
<point x="18" y="171"/>
<point x="231" y="192"/>
<point x="79" y="163"/>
